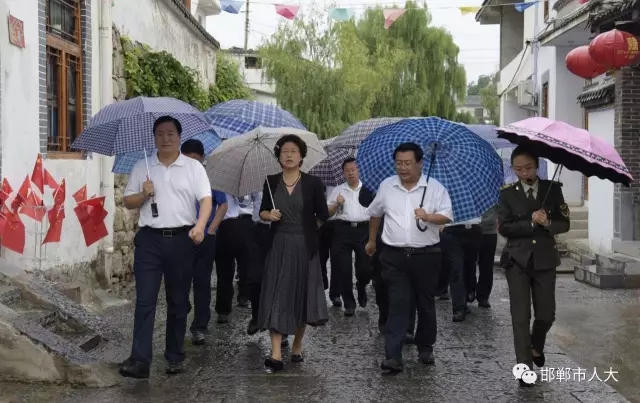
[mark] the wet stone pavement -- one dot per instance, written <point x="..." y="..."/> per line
<point x="474" y="360"/>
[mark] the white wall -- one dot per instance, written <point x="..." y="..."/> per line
<point x="601" y="123"/>
<point x="20" y="139"/>
<point x="265" y="99"/>
<point x="153" y="23"/>
<point x="253" y="78"/>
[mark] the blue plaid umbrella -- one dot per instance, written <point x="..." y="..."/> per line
<point x="236" y="117"/>
<point x="127" y="126"/>
<point x="353" y="135"/>
<point x="329" y="170"/>
<point x="466" y="165"/>
<point x="124" y="163"/>
<point x="504" y="147"/>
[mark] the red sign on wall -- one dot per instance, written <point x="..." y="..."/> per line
<point x="16" y="31"/>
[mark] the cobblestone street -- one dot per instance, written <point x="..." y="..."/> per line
<point x="474" y="361"/>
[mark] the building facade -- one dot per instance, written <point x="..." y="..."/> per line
<point x="250" y="67"/>
<point x="473" y="105"/>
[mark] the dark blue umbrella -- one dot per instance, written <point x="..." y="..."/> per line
<point x="466" y="165"/>
<point x="236" y="117"/>
<point x="329" y="170"/>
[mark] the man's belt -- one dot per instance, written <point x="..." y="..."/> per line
<point x="414" y="251"/>
<point x="464" y="226"/>
<point x="168" y="232"/>
<point x="245" y="216"/>
<point x="353" y="224"/>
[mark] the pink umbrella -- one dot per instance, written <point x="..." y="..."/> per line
<point x="566" y="145"/>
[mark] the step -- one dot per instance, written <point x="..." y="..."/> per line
<point x="605" y="279"/>
<point x="579" y="213"/>
<point x="574" y="234"/>
<point x="580" y="224"/>
<point x="618" y="263"/>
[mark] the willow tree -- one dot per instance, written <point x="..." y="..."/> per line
<point x="429" y="80"/>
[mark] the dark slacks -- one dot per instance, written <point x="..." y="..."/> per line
<point x="156" y="255"/>
<point x="406" y="273"/>
<point x="202" y="269"/>
<point x="526" y="284"/>
<point x="483" y="284"/>
<point x="325" y="239"/>
<point x="347" y="241"/>
<point x="259" y="243"/>
<point x="460" y="250"/>
<point x="232" y="245"/>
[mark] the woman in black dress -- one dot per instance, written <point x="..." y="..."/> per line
<point x="292" y="294"/>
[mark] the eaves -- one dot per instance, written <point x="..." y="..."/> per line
<point x="577" y="14"/>
<point x="599" y="95"/>
<point x="605" y="11"/>
<point x="179" y="7"/>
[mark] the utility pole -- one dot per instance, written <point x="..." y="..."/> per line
<point x="246" y="27"/>
<point x="535" y="52"/>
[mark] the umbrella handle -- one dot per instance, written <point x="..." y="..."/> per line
<point x="555" y="173"/>
<point x="424" y="192"/>
<point x="273" y="202"/>
<point x="154" y="206"/>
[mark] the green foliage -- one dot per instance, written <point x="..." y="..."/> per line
<point x="491" y="99"/>
<point x="333" y="76"/>
<point x="465" y="117"/>
<point x="483" y="82"/>
<point x="159" y="74"/>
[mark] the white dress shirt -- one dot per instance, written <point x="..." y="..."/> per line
<point x="526" y="188"/>
<point x="232" y="207"/>
<point x="473" y="221"/>
<point x="176" y="189"/>
<point x="398" y="205"/>
<point x="351" y="210"/>
<point x="256" y="201"/>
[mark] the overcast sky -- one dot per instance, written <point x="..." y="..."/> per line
<point x="479" y="44"/>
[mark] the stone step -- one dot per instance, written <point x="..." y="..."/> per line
<point x="605" y="279"/>
<point x="574" y="234"/>
<point x="579" y="213"/>
<point x="618" y="263"/>
<point x="580" y="224"/>
<point x="8" y="294"/>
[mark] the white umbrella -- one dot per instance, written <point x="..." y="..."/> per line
<point x="240" y="164"/>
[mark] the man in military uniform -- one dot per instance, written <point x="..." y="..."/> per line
<point x="530" y="213"/>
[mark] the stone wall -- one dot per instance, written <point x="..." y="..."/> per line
<point x="124" y="221"/>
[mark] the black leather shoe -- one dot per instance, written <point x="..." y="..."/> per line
<point x="459" y="316"/>
<point x="426" y="357"/>
<point x="297" y="358"/>
<point x="271" y="365"/>
<point x="134" y="369"/>
<point x="337" y="302"/>
<point x="362" y="295"/>
<point x="391" y="364"/>
<point x="174" y="367"/>
<point x="223" y="319"/>
<point x="350" y="311"/>
<point x="410" y="338"/>
<point x="471" y="297"/>
<point x="243" y="303"/>
<point x="484" y="303"/>
<point x="197" y="338"/>
<point x="539" y="360"/>
<point x="252" y="328"/>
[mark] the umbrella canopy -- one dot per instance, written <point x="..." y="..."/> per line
<point x="466" y="165"/>
<point x="236" y="117"/>
<point x="329" y="170"/>
<point x="127" y="126"/>
<point x="353" y="135"/>
<point x="566" y="145"/>
<point x="124" y="163"/>
<point x="240" y="165"/>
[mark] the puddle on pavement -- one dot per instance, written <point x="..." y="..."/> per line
<point x="604" y="336"/>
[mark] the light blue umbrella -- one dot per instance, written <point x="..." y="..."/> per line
<point x="127" y="126"/>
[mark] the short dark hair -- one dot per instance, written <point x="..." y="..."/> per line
<point x="165" y="119"/>
<point x="348" y="161"/>
<point x="524" y="150"/>
<point x="290" y="138"/>
<point x="405" y="147"/>
<point x="192" y="146"/>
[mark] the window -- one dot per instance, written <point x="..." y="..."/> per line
<point x="545" y="9"/>
<point x="478" y="113"/>
<point x="545" y="100"/>
<point x="252" y="62"/>
<point x="64" y="74"/>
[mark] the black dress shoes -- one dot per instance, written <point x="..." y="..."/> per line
<point x="410" y="338"/>
<point x="134" y="369"/>
<point x="426" y="357"/>
<point x="272" y="365"/>
<point x="198" y="338"/>
<point x="362" y="295"/>
<point x="349" y="311"/>
<point x="337" y="302"/>
<point x="252" y="328"/>
<point x="223" y="319"/>
<point x="392" y="365"/>
<point x="174" y="367"/>
<point x="297" y="358"/>
<point x="484" y="303"/>
<point x="539" y="360"/>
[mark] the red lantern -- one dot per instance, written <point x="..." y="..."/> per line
<point x="614" y="49"/>
<point x="580" y="63"/>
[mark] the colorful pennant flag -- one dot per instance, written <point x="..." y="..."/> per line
<point x="23" y="194"/>
<point x="13" y="234"/>
<point x="341" y="14"/>
<point x="391" y="15"/>
<point x="34" y="207"/>
<point x="37" y="177"/>
<point x="523" y="6"/>
<point x="81" y="194"/>
<point x="91" y="214"/>
<point x="50" y="182"/>
<point x="288" y="12"/>
<point x="231" y="6"/>
<point x="469" y="10"/>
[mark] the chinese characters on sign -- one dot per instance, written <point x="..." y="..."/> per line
<point x="548" y="374"/>
<point x="16" y="31"/>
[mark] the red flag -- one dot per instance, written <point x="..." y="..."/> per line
<point x="92" y="228"/>
<point x="60" y="194"/>
<point x="5" y="191"/>
<point x="13" y="236"/>
<point x="49" y="181"/>
<point x="34" y="207"/>
<point x="37" y="177"/>
<point x="95" y="209"/>
<point x="3" y="218"/>
<point x="54" y="233"/>
<point x="81" y="194"/>
<point x="23" y="193"/>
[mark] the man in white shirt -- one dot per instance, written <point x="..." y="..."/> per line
<point x="351" y="222"/>
<point x="165" y="243"/>
<point x="325" y="239"/>
<point x="413" y="211"/>
<point x="460" y="247"/>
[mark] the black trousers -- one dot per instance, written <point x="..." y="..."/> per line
<point x="202" y="269"/>
<point x="158" y="255"/>
<point x="259" y="243"/>
<point x="349" y="240"/>
<point x="325" y="238"/>
<point x="460" y="247"/>
<point x="406" y="272"/>
<point x="483" y="283"/>
<point x="232" y="245"/>
<point x="382" y="293"/>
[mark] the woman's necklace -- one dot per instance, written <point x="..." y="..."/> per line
<point x="294" y="183"/>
